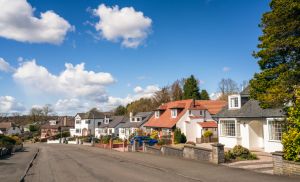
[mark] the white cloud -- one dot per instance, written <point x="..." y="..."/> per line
<point x="8" y="104"/>
<point x="131" y="26"/>
<point x="71" y="106"/>
<point x="215" y="95"/>
<point x="72" y="82"/>
<point x="5" y="66"/>
<point x="226" y="69"/>
<point x="17" y="22"/>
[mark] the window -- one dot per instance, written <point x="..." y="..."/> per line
<point x="157" y="114"/>
<point x="275" y="130"/>
<point x="228" y="127"/>
<point x="234" y="102"/>
<point x="174" y="113"/>
<point x="122" y="130"/>
<point x="78" y="122"/>
<point x="190" y="112"/>
<point x="201" y="113"/>
<point x="132" y="119"/>
<point x="87" y="122"/>
<point x="78" y="130"/>
<point x="138" y="119"/>
<point x="106" y="121"/>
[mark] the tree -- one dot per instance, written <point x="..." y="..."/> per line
<point x="120" y="111"/>
<point x="279" y="55"/>
<point x="161" y="96"/>
<point x="204" y="95"/>
<point x="191" y="88"/>
<point x="36" y="114"/>
<point x="141" y="105"/>
<point x="278" y="83"/>
<point x="227" y="87"/>
<point x="176" y="91"/>
<point x="47" y="109"/>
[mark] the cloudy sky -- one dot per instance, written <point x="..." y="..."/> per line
<point x="80" y="54"/>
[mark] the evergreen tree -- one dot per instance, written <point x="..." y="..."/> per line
<point x="191" y="88"/>
<point x="204" y="95"/>
<point x="279" y="55"/>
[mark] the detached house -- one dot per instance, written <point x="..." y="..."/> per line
<point x="245" y="123"/>
<point x="85" y="123"/>
<point x="193" y="117"/>
<point x="54" y="127"/>
<point x="111" y="126"/>
<point x="134" y="123"/>
<point x="9" y="128"/>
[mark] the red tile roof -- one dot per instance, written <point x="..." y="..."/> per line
<point x="208" y="124"/>
<point x="166" y="121"/>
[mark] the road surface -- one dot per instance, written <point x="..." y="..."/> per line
<point x="12" y="168"/>
<point x="63" y="163"/>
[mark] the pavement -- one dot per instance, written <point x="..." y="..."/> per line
<point x="13" y="167"/>
<point x="63" y="163"/>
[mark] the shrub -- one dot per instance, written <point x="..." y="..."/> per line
<point x="208" y="133"/>
<point x="154" y="134"/>
<point x="17" y="139"/>
<point x="239" y="153"/>
<point x="33" y="128"/>
<point x="106" y="139"/>
<point x="179" y="137"/>
<point x="191" y="143"/>
<point x="6" y="141"/>
<point x="140" y="132"/>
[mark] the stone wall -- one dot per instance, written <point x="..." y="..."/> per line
<point x="213" y="155"/>
<point x="171" y="151"/>
<point x="284" y="167"/>
<point x="197" y="153"/>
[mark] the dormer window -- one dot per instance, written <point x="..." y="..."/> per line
<point x="106" y="121"/>
<point x="132" y="119"/>
<point x="157" y="114"/>
<point x="201" y="112"/>
<point x="174" y="113"/>
<point x="234" y="101"/>
<point x="138" y="119"/>
<point x="190" y="112"/>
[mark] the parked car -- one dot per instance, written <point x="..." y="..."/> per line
<point x="141" y="139"/>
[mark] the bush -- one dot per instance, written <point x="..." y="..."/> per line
<point x="208" y="133"/>
<point x="183" y="138"/>
<point x="191" y="143"/>
<point x="6" y="141"/>
<point x="106" y="139"/>
<point x="239" y="153"/>
<point x="179" y="137"/>
<point x="17" y="139"/>
<point x="154" y="134"/>
<point x="33" y="128"/>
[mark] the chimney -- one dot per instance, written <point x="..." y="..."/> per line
<point x="130" y="116"/>
<point x="194" y="103"/>
<point x="65" y="121"/>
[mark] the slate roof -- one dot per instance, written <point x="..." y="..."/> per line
<point x="145" y="117"/>
<point x="114" y="122"/>
<point x="70" y="123"/>
<point x="246" y="92"/>
<point x="94" y="114"/>
<point x="250" y="109"/>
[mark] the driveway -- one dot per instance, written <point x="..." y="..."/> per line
<point x="74" y="163"/>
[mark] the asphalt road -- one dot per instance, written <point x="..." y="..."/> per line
<point x="63" y="163"/>
<point x="12" y="168"/>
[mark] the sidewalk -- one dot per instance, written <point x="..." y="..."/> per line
<point x="13" y="167"/>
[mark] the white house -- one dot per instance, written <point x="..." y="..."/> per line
<point x="193" y="117"/>
<point x="133" y="123"/>
<point x="245" y="123"/>
<point x="9" y="128"/>
<point x="110" y="126"/>
<point x="86" y="123"/>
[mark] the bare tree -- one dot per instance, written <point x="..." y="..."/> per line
<point x="161" y="96"/>
<point x="176" y="91"/>
<point x="47" y="110"/>
<point x="227" y="87"/>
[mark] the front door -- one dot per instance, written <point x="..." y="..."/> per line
<point x="256" y="137"/>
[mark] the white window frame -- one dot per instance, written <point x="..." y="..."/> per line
<point x="78" y="121"/>
<point x="88" y="121"/>
<point x="237" y="128"/>
<point x="106" y="121"/>
<point x="138" y="119"/>
<point x="232" y="105"/>
<point x="269" y="120"/>
<point x="157" y="114"/>
<point x="173" y="113"/>
<point x="201" y="112"/>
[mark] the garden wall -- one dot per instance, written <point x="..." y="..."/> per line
<point x="214" y="155"/>
<point x="284" y="167"/>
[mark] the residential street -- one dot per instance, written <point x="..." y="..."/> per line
<point x="87" y="164"/>
<point x="13" y="167"/>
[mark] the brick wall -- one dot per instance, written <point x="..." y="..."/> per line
<point x="284" y="167"/>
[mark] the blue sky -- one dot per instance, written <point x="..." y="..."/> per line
<point x="212" y="39"/>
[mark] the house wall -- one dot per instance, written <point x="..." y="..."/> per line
<point x="82" y="125"/>
<point x="13" y="130"/>
<point x="270" y="146"/>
